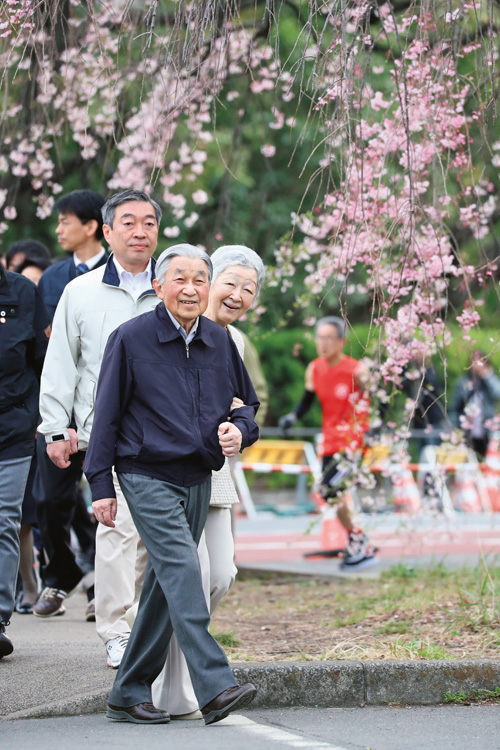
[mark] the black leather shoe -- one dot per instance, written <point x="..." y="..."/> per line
<point x="143" y="713"/>
<point x="6" y="646"/>
<point x="231" y="699"/>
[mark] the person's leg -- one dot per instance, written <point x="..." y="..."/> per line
<point x="359" y="550"/>
<point x="85" y="530"/>
<point x="13" y="478"/>
<point x="170" y="520"/>
<point x="55" y="490"/>
<point x="26" y="571"/>
<point x="220" y="545"/>
<point x="115" y="573"/>
<point x="344" y="513"/>
<point x="173" y="690"/>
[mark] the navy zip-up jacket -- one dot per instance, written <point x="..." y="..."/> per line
<point x="159" y="403"/>
<point x="23" y="342"/>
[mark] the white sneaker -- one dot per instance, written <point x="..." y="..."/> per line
<point x="131" y="614"/>
<point x="115" y="649"/>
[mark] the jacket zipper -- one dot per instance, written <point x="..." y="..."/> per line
<point x="187" y="351"/>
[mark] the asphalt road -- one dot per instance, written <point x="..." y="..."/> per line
<point x="371" y="728"/>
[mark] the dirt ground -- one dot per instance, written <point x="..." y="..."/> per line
<point x="405" y="614"/>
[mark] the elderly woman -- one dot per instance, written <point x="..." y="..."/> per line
<point x="238" y="275"/>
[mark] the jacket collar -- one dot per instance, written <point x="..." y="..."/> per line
<point x="166" y="331"/>
<point x="111" y="277"/>
<point x="5" y="286"/>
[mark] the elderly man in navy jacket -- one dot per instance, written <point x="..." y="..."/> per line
<point x="165" y="392"/>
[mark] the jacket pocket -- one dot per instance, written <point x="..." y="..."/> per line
<point x="158" y="442"/>
<point x="88" y="409"/>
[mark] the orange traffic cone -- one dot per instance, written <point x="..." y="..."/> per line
<point x="491" y="473"/>
<point x="406" y="491"/>
<point x="465" y="494"/>
<point x="333" y="534"/>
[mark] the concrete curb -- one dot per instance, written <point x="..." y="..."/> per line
<point x="339" y="684"/>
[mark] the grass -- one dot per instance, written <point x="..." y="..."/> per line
<point x="480" y="600"/>
<point x="227" y="640"/>
<point x="408" y="649"/>
<point x="406" y="613"/>
<point x="475" y="696"/>
<point x="394" y="627"/>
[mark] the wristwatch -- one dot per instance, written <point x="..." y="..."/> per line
<point x="56" y="438"/>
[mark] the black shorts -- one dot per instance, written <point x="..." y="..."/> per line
<point x="333" y="479"/>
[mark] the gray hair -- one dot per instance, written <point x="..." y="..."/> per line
<point x="109" y="209"/>
<point x="182" y="250"/>
<point x="332" y="320"/>
<point x="238" y="255"/>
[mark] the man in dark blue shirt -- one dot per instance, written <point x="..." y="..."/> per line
<point x="60" y="502"/>
<point x="24" y="328"/>
<point x="165" y="391"/>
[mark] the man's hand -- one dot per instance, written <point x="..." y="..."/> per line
<point x="230" y="439"/>
<point x="60" y="452"/>
<point x="105" y="511"/>
<point x="236" y="403"/>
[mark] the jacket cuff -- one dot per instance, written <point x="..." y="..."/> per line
<point x="102" y="489"/>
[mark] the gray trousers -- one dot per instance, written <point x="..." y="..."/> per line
<point x="13" y="477"/>
<point x="170" y="521"/>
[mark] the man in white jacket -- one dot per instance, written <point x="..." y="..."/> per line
<point x="91" y="307"/>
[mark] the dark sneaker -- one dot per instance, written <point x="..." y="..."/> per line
<point x="359" y="552"/>
<point x="90" y="611"/>
<point x="6" y="645"/>
<point x="50" y="603"/>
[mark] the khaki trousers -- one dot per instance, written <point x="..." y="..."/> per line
<point x="120" y="566"/>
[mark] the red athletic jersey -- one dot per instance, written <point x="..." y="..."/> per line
<point x="345" y="411"/>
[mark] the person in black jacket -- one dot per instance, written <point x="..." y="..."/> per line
<point x="474" y="402"/>
<point x="24" y="330"/>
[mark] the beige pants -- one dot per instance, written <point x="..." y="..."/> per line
<point x="120" y="565"/>
<point x="172" y="690"/>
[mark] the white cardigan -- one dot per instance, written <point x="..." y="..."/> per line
<point x="223" y="489"/>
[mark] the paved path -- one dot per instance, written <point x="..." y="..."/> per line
<point x="59" y="664"/>
<point x="374" y="728"/>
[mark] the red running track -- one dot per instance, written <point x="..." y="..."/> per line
<point x="288" y="546"/>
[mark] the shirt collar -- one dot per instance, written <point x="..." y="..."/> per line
<point x="111" y="278"/>
<point x="91" y="262"/>
<point x="146" y="273"/>
<point x="168" y="326"/>
<point x="187" y="336"/>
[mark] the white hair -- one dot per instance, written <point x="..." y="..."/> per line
<point x="182" y="250"/>
<point x="238" y="255"/>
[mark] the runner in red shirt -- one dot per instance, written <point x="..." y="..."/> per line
<point x="334" y="378"/>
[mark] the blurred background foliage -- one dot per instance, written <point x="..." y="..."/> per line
<point x="252" y="198"/>
<point x="285" y="355"/>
